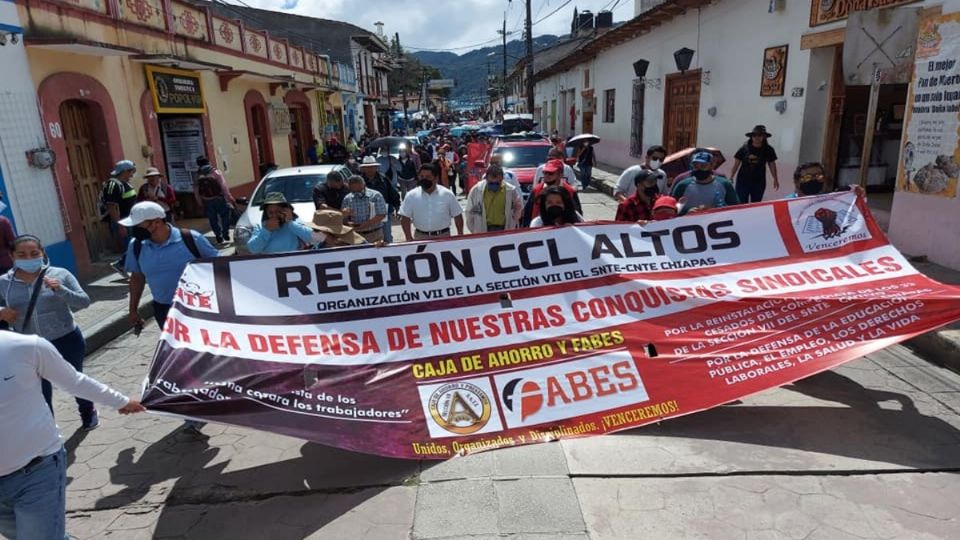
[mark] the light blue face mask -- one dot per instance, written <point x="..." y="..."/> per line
<point x="29" y="266"/>
<point x="493" y="187"/>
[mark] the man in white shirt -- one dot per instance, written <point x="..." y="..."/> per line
<point x="33" y="464"/>
<point x="626" y="184"/>
<point x="569" y="176"/>
<point x="429" y="208"/>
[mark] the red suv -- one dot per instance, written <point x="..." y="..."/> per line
<point x="522" y="157"/>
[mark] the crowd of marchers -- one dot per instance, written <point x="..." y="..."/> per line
<point x="356" y="203"/>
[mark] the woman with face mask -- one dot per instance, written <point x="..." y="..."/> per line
<point x="556" y="209"/>
<point x="40" y="299"/>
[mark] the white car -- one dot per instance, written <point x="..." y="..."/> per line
<point x="296" y="184"/>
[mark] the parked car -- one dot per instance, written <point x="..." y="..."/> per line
<point x="296" y="184"/>
<point x="522" y="156"/>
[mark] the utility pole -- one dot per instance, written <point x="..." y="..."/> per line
<point x="529" y="60"/>
<point x="503" y="82"/>
<point x="403" y="82"/>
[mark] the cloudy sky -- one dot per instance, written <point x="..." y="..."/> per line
<point x="459" y="25"/>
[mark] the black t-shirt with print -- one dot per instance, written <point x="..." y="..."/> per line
<point x="753" y="162"/>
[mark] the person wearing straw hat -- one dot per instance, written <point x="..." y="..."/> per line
<point x="750" y="162"/>
<point x="279" y="230"/>
<point x="158" y="191"/>
<point x="330" y="223"/>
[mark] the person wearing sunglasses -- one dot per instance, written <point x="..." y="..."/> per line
<point x="810" y="179"/>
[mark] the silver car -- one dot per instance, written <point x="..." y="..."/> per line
<point x="296" y="184"/>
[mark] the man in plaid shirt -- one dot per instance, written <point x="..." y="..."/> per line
<point x="639" y="206"/>
<point x="364" y="209"/>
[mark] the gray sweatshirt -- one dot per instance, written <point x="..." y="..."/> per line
<point x="53" y="315"/>
<point x="25" y="420"/>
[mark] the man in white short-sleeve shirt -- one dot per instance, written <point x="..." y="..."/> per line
<point x="627" y="185"/>
<point x="569" y="176"/>
<point x="426" y="211"/>
<point x="32" y="459"/>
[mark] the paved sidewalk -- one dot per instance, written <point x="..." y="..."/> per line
<point x="940" y="346"/>
<point x="868" y="450"/>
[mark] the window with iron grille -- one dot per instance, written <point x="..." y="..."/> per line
<point x="609" y="100"/>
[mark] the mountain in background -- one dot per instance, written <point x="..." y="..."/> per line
<point x="469" y="70"/>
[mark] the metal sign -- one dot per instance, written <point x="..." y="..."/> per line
<point x="175" y="90"/>
<point x="879" y="46"/>
<point x="438" y="84"/>
<point x="828" y="11"/>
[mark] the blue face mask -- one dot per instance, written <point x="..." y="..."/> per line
<point x="29" y="266"/>
<point x="493" y="187"/>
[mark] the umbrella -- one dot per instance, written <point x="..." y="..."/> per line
<point x="679" y="162"/>
<point x="387" y="142"/>
<point x="583" y="138"/>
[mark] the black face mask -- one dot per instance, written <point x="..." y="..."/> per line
<point x="812" y="187"/>
<point x="651" y="191"/>
<point x="701" y="175"/>
<point x="554" y="212"/>
<point x="425" y="184"/>
<point x="141" y="234"/>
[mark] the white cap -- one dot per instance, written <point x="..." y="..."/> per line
<point x="143" y="211"/>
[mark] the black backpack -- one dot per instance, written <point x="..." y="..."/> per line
<point x="188" y="240"/>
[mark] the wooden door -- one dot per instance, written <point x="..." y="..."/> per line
<point x="681" y="110"/>
<point x="262" y="145"/>
<point x="85" y="173"/>
<point x="588" y="122"/>
<point x="300" y="139"/>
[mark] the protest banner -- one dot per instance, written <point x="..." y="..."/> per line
<point x="432" y="349"/>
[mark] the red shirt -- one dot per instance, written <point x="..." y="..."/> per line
<point x="7" y="237"/>
<point x="633" y="209"/>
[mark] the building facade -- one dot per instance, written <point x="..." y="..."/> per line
<point x="161" y="82"/>
<point x="30" y="195"/>
<point x="776" y="63"/>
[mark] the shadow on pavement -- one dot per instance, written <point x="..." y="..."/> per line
<point x="220" y="498"/>
<point x="878" y="425"/>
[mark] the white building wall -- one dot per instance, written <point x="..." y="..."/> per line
<point x="729" y="42"/>
<point x="31" y="193"/>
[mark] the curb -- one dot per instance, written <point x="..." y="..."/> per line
<point x="939" y="347"/>
<point x="115" y="326"/>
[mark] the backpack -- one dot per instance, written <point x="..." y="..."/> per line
<point x="209" y="187"/>
<point x="188" y="240"/>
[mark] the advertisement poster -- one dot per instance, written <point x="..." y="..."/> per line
<point x="930" y="151"/>
<point x="427" y="350"/>
<point x="182" y="143"/>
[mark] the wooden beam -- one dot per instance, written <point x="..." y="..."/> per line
<point x="822" y="39"/>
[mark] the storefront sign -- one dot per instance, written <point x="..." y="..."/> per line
<point x="930" y="149"/>
<point x="828" y="11"/>
<point x="774" y="77"/>
<point x="175" y="90"/>
<point x="429" y="349"/>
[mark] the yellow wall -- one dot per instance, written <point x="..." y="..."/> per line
<point x="125" y="81"/>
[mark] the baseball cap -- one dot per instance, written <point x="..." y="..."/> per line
<point x="664" y="202"/>
<point x="123" y="166"/>
<point x="143" y="211"/>
<point x="552" y="166"/>
<point x="702" y="157"/>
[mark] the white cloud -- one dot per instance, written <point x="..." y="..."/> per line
<point x="445" y="24"/>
